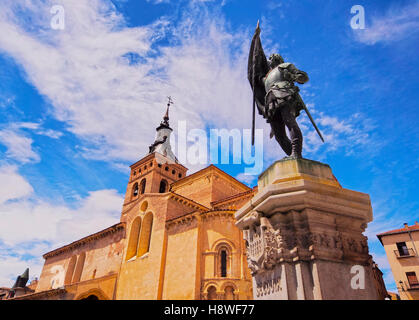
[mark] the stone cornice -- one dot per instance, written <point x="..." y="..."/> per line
<point x="211" y="169"/>
<point x="143" y="160"/>
<point x="139" y="199"/>
<point x="98" y="235"/>
<point x="230" y="199"/>
<point x="214" y="214"/>
<point x="187" y="218"/>
<point x="218" y="212"/>
<point x="89" y="281"/>
<point x="155" y="155"/>
<point x="300" y="194"/>
<point x="192" y="216"/>
<point x="189" y="202"/>
<point x="414" y="228"/>
<point x="40" y="295"/>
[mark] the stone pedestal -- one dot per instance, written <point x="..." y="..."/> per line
<point x="304" y="238"/>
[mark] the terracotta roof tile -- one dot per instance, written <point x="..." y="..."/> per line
<point x="415" y="227"/>
<point x="401" y="230"/>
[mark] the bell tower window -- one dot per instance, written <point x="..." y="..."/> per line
<point x="142" y="186"/>
<point x="163" y="186"/>
<point x="135" y="190"/>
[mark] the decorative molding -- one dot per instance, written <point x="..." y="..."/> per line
<point x="42" y="294"/>
<point x="233" y="198"/>
<point x="203" y="173"/>
<point x="98" y="235"/>
<point x="219" y="213"/>
<point x="269" y="245"/>
<point x="186" y="201"/>
<point x="185" y="220"/>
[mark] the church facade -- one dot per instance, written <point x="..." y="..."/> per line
<point x="176" y="239"/>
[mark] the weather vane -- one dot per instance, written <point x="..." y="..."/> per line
<point x="169" y="101"/>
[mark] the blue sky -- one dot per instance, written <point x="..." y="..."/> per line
<point x="79" y="105"/>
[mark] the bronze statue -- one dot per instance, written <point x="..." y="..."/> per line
<point x="277" y="98"/>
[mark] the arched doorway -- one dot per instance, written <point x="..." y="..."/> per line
<point x="93" y="294"/>
<point x="91" y="297"/>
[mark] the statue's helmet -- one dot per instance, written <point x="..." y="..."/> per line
<point x="275" y="59"/>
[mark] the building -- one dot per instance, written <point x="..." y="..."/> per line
<point x="380" y="286"/>
<point x="401" y="246"/>
<point x="19" y="288"/>
<point x="176" y="239"/>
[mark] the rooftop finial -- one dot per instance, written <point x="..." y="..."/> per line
<point x="166" y="116"/>
<point x="162" y="141"/>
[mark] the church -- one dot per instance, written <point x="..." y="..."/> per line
<point x="176" y="239"/>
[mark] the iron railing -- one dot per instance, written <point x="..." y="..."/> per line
<point x="406" y="252"/>
<point x="406" y="285"/>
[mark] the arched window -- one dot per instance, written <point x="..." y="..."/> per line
<point x="142" y="186"/>
<point x="212" y="293"/>
<point x="163" y="186"/>
<point x="144" y="245"/>
<point x="79" y="267"/>
<point x="229" y="293"/>
<point x="133" y="238"/>
<point x="70" y="270"/>
<point x="135" y="190"/>
<point x="223" y="263"/>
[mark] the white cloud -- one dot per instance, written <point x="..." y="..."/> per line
<point x="7" y="101"/>
<point x="36" y="220"/>
<point x="11" y="267"/>
<point x="158" y="1"/>
<point x="250" y="180"/>
<point x="114" y="105"/>
<point x="398" y="23"/>
<point x="354" y="135"/>
<point x="30" y="226"/>
<point x="19" y="147"/>
<point x="13" y="185"/>
<point x="37" y="128"/>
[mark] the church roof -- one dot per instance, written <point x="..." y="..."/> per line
<point x="234" y="197"/>
<point x="203" y="171"/>
<point x="91" y="237"/>
<point x="152" y="155"/>
<point x="406" y="228"/>
<point x="189" y="201"/>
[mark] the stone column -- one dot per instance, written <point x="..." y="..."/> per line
<point x="304" y="238"/>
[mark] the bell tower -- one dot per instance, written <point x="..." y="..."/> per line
<point x="148" y="200"/>
<point x="159" y="168"/>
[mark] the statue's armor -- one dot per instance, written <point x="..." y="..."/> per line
<point x="282" y="107"/>
<point x="279" y="83"/>
<point x="280" y="88"/>
<point x="276" y="78"/>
